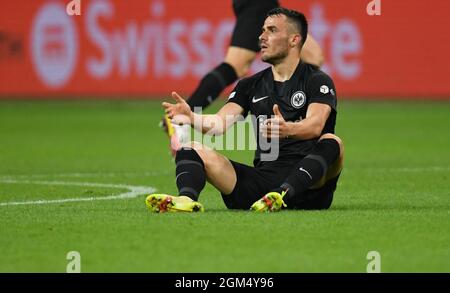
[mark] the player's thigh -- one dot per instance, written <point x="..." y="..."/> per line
<point x="241" y="59"/>
<point x="250" y="16"/>
<point x="219" y="170"/>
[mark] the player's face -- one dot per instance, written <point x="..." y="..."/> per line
<point x="274" y="39"/>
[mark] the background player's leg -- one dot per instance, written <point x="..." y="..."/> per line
<point x="196" y="164"/>
<point x="323" y="163"/>
<point x="236" y="65"/>
<point x="240" y="59"/>
<point x="312" y="52"/>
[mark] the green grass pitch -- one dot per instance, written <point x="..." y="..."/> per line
<point x="73" y="177"/>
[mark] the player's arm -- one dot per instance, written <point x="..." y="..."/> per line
<point x="311" y="52"/>
<point x="213" y="124"/>
<point x="322" y="100"/>
<point x="217" y="124"/>
<point x="309" y="128"/>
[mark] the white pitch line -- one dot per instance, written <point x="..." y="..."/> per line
<point x="133" y="191"/>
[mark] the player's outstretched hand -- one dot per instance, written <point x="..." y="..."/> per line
<point x="180" y="112"/>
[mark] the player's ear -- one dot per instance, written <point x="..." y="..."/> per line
<point x="295" y="40"/>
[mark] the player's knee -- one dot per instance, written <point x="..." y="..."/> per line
<point x="334" y="137"/>
<point x="194" y="145"/>
<point x="206" y="154"/>
<point x="186" y="153"/>
<point x="189" y="145"/>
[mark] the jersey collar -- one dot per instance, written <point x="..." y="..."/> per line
<point x="288" y="83"/>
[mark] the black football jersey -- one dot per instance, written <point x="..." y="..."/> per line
<point x="258" y="94"/>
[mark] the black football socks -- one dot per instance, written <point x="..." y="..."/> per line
<point x="212" y="85"/>
<point x="190" y="172"/>
<point x="311" y="168"/>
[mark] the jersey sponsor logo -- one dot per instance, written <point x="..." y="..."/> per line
<point x="324" y="89"/>
<point x="231" y="95"/>
<point x="298" y="99"/>
<point x="256" y="100"/>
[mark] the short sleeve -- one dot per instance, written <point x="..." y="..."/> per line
<point x="320" y="89"/>
<point x="240" y="96"/>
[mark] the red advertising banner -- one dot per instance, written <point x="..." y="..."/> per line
<point x="151" y="47"/>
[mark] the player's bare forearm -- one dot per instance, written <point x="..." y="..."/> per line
<point x="312" y="126"/>
<point x="210" y="124"/>
<point x="309" y="128"/>
<point x="217" y="124"/>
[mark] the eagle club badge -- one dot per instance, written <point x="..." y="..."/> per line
<point x="298" y="99"/>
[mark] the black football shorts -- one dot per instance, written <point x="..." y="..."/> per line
<point x="250" y="16"/>
<point x="253" y="183"/>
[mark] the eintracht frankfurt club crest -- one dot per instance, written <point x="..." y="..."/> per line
<point x="298" y="99"/>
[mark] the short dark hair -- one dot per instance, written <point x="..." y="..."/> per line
<point x="296" y="17"/>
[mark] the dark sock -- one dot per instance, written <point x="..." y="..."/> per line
<point x="190" y="171"/>
<point x="212" y="85"/>
<point x="311" y="169"/>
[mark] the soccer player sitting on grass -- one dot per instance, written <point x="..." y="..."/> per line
<point x="301" y="100"/>
<point x="243" y="49"/>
